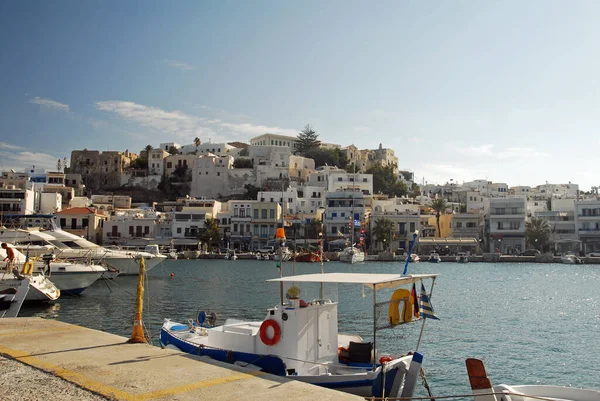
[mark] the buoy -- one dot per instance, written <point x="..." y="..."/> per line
<point x="172" y="274"/>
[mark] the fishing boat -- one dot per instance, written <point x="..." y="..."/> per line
<point x="300" y="340"/>
<point x="11" y="299"/>
<point x="483" y="390"/>
<point x="307" y="256"/>
<point x="434" y="257"/>
<point x="352" y="254"/>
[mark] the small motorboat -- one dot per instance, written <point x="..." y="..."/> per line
<point x="570" y="258"/>
<point x="462" y="257"/>
<point x="483" y="390"/>
<point x="40" y="287"/>
<point x="434" y="257"/>
<point x="413" y="257"/>
<point x="230" y="255"/>
<point x="352" y="255"/>
<point x="12" y="298"/>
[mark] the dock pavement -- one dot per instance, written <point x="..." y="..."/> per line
<point x="106" y="365"/>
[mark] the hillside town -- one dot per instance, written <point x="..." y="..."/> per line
<point x="212" y="196"/>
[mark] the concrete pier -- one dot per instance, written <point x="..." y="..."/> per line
<point x="106" y="365"/>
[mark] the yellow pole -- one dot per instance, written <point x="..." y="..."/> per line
<point x="137" y="332"/>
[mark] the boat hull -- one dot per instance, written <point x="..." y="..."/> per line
<point x="41" y="289"/>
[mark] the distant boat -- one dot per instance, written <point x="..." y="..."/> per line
<point x="462" y="258"/>
<point x="434" y="258"/>
<point x="413" y="257"/>
<point x="352" y="255"/>
<point x="570" y="258"/>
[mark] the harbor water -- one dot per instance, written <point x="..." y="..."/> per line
<point x="530" y="323"/>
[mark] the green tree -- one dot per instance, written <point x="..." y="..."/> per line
<point x="439" y="206"/>
<point x="242" y="163"/>
<point x="210" y="234"/>
<point x="385" y="181"/>
<point x="306" y="141"/>
<point x="383" y="231"/>
<point x="147" y="149"/>
<point x="251" y="191"/>
<point x="537" y="233"/>
<point x="330" y="157"/>
<point x="312" y="229"/>
<point x="181" y="173"/>
<point x="415" y="190"/>
<point x="173" y="150"/>
<point x="197" y="143"/>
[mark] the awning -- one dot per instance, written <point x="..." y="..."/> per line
<point x="374" y="280"/>
<point x="448" y="241"/>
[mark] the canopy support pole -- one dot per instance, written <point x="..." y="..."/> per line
<point x="374" y="326"/>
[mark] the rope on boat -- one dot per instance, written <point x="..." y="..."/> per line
<point x="445" y="397"/>
<point x="425" y="384"/>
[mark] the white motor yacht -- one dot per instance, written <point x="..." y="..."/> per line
<point x="40" y="287"/>
<point x="352" y="255"/>
<point x="73" y="248"/>
<point x="413" y="258"/>
<point x="70" y="278"/>
<point x="570" y="258"/>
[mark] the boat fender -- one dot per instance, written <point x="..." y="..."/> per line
<point x="276" y="332"/>
<point x="27" y="268"/>
<point x="385" y="359"/>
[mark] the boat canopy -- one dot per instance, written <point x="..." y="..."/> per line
<point x="377" y="281"/>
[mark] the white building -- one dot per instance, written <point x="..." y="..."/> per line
<point x="558" y="190"/>
<point x="405" y="217"/>
<point x="273" y="140"/>
<point x="520" y="190"/>
<point x="310" y="199"/>
<point x="219" y="149"/>
<point x="168" y="145"/>
<point x="506" y="224"/>
<point x="339" y="181"/>
<point x="190" y="220"/>
<point x="343" y="208"/>
<point x="210" y="176"/>
<point x="156" y="162"/>
<point x="587" y="223"/>
<point x="240" y="234"/>
<point x="498" y="190"/>
<point x="289" y="199"/>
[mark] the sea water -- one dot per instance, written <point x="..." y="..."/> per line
<point x="529" y="323"/>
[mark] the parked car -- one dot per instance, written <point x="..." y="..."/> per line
<point x="267" y="249"/>
<point x="530" y="252"/>
<point x="594" y="254"/>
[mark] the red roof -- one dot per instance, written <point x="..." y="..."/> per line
<point x="80" y="210"/>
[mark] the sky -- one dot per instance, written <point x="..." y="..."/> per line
<point x="501" y="90"/>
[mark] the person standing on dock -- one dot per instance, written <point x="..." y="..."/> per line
<point x="10" y="256"/>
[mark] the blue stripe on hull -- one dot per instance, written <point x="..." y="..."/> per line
<point x="274" y="365"/>
<point x="268" y="363"/>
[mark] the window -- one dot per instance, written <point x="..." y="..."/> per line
<point x="256" y="229"/>
<point x="412" y="227"/>
<point x="218" y="174"/>
<point x="263" y="213"/>
<point x="364" y="180"/>
<point x="131" y="230"/>
<point x="84" y="222"/>
<point x="255" y="213"/>
<point x="146" y="230"/>
<point x="339" y="178"/>
<point x="333" y="229"/>
<point x="458" y="224"/>
<point x="169" y="164"/>
<point x="235" y="227"/>
<point x="500" y="226"/>
<point x="178" y="230"/>
<point x="333" y="214"/>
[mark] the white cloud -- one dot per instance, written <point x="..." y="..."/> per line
<point x="180" y="65"/>
<point x="185" y="125"/>
<point x="21" y="160"/>
<point x="4" y="145"/>
<point x="51" y="104"/>
<point x="257" y="129"/>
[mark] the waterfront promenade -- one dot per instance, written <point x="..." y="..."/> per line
<point x="104" y="364"/>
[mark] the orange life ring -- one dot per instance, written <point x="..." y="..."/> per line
<point x="276" y="332"/>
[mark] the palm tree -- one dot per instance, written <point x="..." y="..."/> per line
<point x="313" y="228"/>
<point x="147" y="149"/>
<point x="210" y="233"/>
<point x="439" y="206"/>
<point x="383" y="230"/>
<point x="537" y="233"/>
<point x="197" y="143"/>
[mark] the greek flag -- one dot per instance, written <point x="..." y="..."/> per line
<point x="426" y="310"/>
